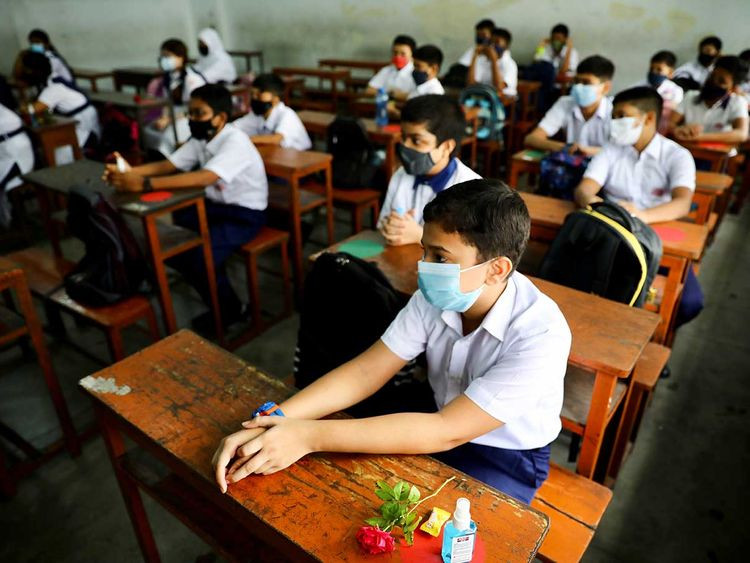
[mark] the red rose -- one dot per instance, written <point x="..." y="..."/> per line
<point x="374" y="540"/>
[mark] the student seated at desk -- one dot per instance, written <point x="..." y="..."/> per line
<point x="232" y="172"/>
<point x="214" y="63"/>
<point x="649" y="175"/>
<point x="558" y="49"/>
<point x="16" y="157"/>
<point x="177" y="83"/>
<point x="660" y="71"/>
<point x="492" y="64"/>
<point x="270" y="121"/>
<point x="496" y="347"/>
<point x="693" y="74"/>
<point x="482" y="38"/>
<point x="39" y="42"/>
<point x="60" y="97"/>
<point x="584" y="115"/>
<point x="427" y="62"/>
<point x="715" y="113"/>
<point x="396" y="78"/>
<point x="431" y="128"/>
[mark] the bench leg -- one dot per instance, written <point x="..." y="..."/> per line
<point x="114" y="340"/>
<point x="253" y="290"/>
<point x="357" y="218"/>
<point x="596" y="423"/>
<point x="287" y="279"/>
<point x="633" y="406"/>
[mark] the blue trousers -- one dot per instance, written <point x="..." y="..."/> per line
<point x="691" y="302"/>
<point x="230" y="227"/>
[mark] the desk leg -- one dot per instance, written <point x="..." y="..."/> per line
<point x="160" y="272"/>
<point x="295" y="216"/>
<point x="329" y="204"/>
<point x="45" y="207"/>
<point x="208" y="258"/>
<point x="630" y="413"/>
<point x="513" y="174"/>
<point x="596" y="423"/>
<point x="133" y="502"/>
<point x="390" y="159"/>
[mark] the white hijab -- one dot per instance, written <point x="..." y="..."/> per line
<point x="217" y="66"/>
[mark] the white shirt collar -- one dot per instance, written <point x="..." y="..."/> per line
<point x="602" y="111"/>
<point x="216" y="140"/>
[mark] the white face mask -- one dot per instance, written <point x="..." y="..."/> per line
<point x="625" y="131"/>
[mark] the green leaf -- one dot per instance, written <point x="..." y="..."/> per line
<point x="413" y="494"/>
<point x="411" y="527"/>
<point x="385" y="495"/>
<point x="410" y="518"/>
<point x="382" y="485"/>
<point x="390" y="510"/>
<point x="379" y="522"/>
<point x="409" y="537"/>
<point x="398" y="489"/>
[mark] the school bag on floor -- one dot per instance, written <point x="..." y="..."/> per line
<point x="354" y="160"/>
<point x="491" y="117"/>
<point x="560" y="173"/>
<point x="606" y="251"/>
<point x="348" y="304"/>
<point x="113" y="267"/>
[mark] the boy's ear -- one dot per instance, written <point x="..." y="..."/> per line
<point x="499" y="270"/>
<point x="607" y="87"/>
<point x="450" y="145"/>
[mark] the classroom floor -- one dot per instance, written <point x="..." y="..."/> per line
<point x="680" y="497"/>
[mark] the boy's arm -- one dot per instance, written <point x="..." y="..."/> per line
<point x="586" y="191"/>
<point x="677" y="208"/>
<point x="538" y="139"/>
<point x="562" y="72"/>
<point x="498" y="80"/>
<point x="737" y="135"/>
<point x="133" y="182"/>
<point x="470" y="73"/>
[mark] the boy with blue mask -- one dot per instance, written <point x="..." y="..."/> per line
<point x="660" y="72"/>
<point x="496" y="369"/>
<point x="584" y="115"/>
<point x="432" y="127"/>
<point x="492" y="64"/>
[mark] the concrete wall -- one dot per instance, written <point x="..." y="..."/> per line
<point x="107" y="33"/>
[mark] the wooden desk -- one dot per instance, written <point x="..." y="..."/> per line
<point x="136" y="76"/>
<point x="717" y="154"/>
<point x="332" y="93"/>
<point x="248" y="56"/>
<point x="162" y="242"/>
<point x="317" y="122"/>
<point x="92" y="76"/>
<point x="292" y="166"/>
<point x="292" y="83"/>
<point x="528" y="99"/>
<point x="59" y="132"/>
<point x="373" y="66"/>
<point x="608" y="337"/>
<point x="187" y="394"/>
<point x="527" y="161"/>
<point x="14" y="326"/>
<point x="717" y="187"/>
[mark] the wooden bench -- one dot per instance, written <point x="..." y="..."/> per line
<point x="46" y="274"/>
<point x="356" y="201"/>
<point x="575" y="506"/>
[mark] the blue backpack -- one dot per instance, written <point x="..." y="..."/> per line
<point x="491" y="111"/>
<point x="560" y="173"/>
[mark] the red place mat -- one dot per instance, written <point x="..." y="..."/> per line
<point x="712" y="145"/>
<point x="669" y="233"/>
<point x="392" y="128"/>
<point x="154" y="197"/>
<point x="427" y="549"/>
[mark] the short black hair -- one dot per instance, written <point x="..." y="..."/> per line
<point x="666" y="57"/>
<point x="734" y="66"/>
<point x="745" y="55"/>
<point x="485" y="24"/>
<point x="503" y="34"/>
<point x="269" y="83"/>
<point x="645" y="98"/>
<point x="711" y="40"/>
<point x="597" y="65"/>
<point x="442" y="116"/>
<point x="36" y="68"/>
<point x="405" y="40"/>
<point x="177" y="47"/>
<point x="38" y="35"/>
<point x="430" y="54"/>
<point x="216" y="96"/>
<point x="561" y="28"/>
<point x="487" y="214"/>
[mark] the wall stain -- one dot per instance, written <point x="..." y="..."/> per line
<point x="680" y="20"/>
<point x="622" y="11"/>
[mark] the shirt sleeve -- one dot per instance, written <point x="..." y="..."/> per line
<point x="598" y="168"/>
<point x="230" y="160"/>
<point x="407" y="335"/>
<point x="681" y="170"/>
<point x="248" y="124"/>
<point x="186" y="157"/>
<point x="387" y="207"/>
<point x="290" y="127"/>
<point x="737" y="108"/>
<point x="515" y="386"/>
<point x="52" y="95"/>
<point x="509" y="69"/>
<point x="555" y="118"/>
<point x="466" y="57"/>
<point x="573" y="62"/>
<point x="380" y="79"/>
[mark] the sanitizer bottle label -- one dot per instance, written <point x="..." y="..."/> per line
<point x="462" y="548"/>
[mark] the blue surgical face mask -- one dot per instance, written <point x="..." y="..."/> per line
<point x="441" y="286"/>
<point x="585" y="94"/>
<point x="656" y="79"/>
<point x="37" y="48"/>
<point x="168" y="64"/>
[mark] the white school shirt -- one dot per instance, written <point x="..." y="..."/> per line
<point x="61" y="98"/>
<point x="391" y="78"/>
<point x="402" y="196"/>
<point x="566" y="114"/>
<point x="283" y="120"/>
<point x="432" y="86"/>
<point x="59" y="68"/>
<point x="670" y="93"/>
<point x="233" y="157"/>
<point x="694" y="70"/>
<point x="483" y="70"/>
<point x="15" y="150"/>
<point x="557" y="59"/>
<point x="715" y="119"/>
<point x="646" y="179"/>
<point x="512" y="366"/>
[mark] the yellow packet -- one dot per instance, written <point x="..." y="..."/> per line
<point x="435" y="522"/>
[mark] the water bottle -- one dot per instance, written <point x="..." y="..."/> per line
<point x="381" y="108"/>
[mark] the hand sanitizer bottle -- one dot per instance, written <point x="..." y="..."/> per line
<point x="459" y="534"/>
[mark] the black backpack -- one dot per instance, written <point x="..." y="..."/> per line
<point x="606" y="251"/>
<point x="347" y="306"/>
<point x="113" y="267"/>
<point x="354" y="162"/>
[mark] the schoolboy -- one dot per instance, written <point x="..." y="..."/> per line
<point x="584" y="115"/>
<point x="431" y="130"/>
<point x="482" y="38"/>
<point x="558" y="49"/>
<point x="492" y="64"/>
<point x="649" y="175"/>
<point x="396" y="78"/>
<point x="427" y="62"/>
<point x="694" y="73"/>
<point x="270" y="121"/>
<point x="232" y="173"/>
<point x="715" y="113"/>
<point x="496" y="350"/>
<point x="660" y="72"/>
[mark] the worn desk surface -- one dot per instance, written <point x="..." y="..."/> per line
<point x="187" y="394"/>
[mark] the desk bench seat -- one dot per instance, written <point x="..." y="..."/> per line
<point x="357" y="201"/>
